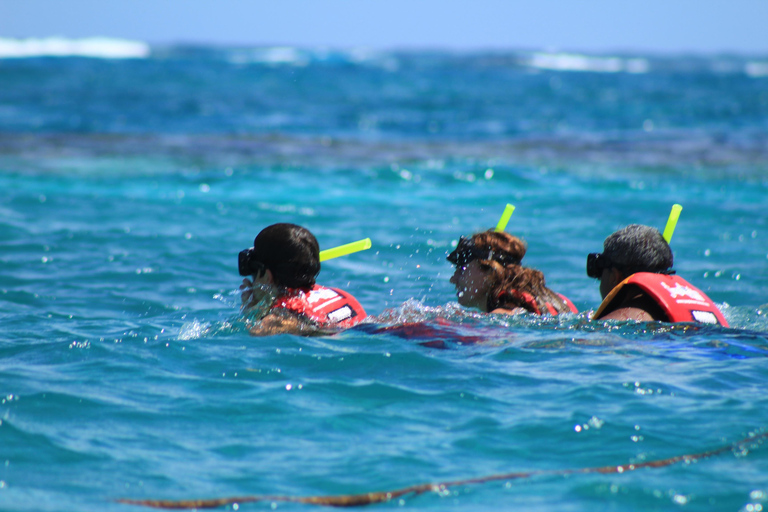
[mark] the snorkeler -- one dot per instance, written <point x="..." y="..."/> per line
<point x="280" y="287"/>
<point x="637" y="281"/>
<point x="489" y="277"/>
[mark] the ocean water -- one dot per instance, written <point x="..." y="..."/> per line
<point x="131" y="176"/>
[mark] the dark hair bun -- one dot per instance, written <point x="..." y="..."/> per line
<point x="290" y="252"/>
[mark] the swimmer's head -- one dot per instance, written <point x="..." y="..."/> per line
<point x="488" y="246"/>
<point x="636" y="248"/>
<point x="482" y="261"/>
<point x="290" y="252"/>
<point x="489" y="275"/>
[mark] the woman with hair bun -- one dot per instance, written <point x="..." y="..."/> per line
<point x="280" y="289"/>
<point x="489" y="277"/>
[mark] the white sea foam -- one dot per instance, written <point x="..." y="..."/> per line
<point x="274" y="56"/>
<point x="577" y="62"/>
<point x="194" y="330"/>
<point x="97" y="47"/>
<point x="301" y="57"/>
<point x="756" y="69"/>
<point x="372" y="57"/>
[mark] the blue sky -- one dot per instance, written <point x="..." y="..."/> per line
<point x="703" y="26"/>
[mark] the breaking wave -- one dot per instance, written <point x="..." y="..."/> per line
<point x="577" y="62"/>
<point x="95" y="47"/>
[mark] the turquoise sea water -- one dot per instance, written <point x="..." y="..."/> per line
<point x="129" y="186"/>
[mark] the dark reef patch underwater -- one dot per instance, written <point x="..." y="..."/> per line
<point x="130" y="185"/>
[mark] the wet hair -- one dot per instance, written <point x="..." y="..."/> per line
<point x="512" y="284"/>
<point x="523" y="287"/>
<point x="638" y="248"/>
<point x="290" y="252"/>
<point x="501" y="247"/>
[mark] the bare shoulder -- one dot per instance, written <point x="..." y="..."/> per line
<point x="634" y="304"/>
<point x="283" y="323"/>
<point x="629" y="313"/>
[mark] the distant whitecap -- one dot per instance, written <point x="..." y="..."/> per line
<point x="756" y="69"/>
<point x="96" y="47"/>
<point x="273" y="56"/>
<point x="577" y="62"/>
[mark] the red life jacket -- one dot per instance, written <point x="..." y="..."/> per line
<point x="530" y="301"/>
<point x="679" y="299"/>
<point x="326" y="306"/>
<point x="568" y="303"/>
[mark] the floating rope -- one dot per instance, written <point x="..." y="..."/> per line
<point x="358" y="500"/>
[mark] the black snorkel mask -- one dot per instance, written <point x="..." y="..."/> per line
<point x="596" y="263"/>
<point x="248" y="264"/>
<point x="466" y="251"/>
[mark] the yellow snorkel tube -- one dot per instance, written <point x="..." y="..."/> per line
<point x="345" y="249"/>
<point x="504" y="220"/>
<point x="672" y="222"/>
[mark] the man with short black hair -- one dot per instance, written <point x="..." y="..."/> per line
<point x="637" y="281"/>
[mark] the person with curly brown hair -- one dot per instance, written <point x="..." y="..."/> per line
<point x="489" y="277"/>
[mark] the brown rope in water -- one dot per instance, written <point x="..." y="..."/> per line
<point x="357" y="500"/>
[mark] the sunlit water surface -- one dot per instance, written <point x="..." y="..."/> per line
<point x="129" y="186"/>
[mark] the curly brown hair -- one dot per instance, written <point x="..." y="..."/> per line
<point x="514" y="285"/>
<point x="499" y="242"/>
